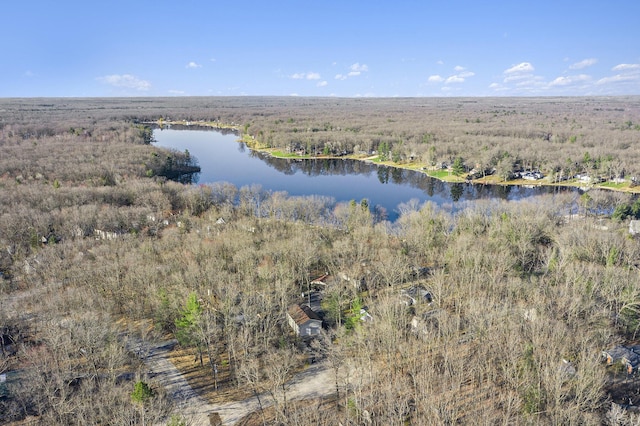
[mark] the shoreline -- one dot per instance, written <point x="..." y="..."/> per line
<point x="448" y="177"/>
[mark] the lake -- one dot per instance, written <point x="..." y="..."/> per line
<point x="222" y="158"/>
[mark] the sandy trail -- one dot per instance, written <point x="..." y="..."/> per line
<point x="314" y="382"/>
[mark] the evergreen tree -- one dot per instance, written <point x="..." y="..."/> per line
<point x="188" y="321"/>
<point x="458" y="166"/>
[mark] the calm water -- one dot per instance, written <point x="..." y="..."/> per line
<point x="222" y="158"/>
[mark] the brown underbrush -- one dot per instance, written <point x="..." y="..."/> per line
<point x="524" y="296"/>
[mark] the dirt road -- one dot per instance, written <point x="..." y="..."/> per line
<point x="314" y="382"/>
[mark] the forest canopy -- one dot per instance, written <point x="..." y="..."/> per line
<point x="499" y="313"/>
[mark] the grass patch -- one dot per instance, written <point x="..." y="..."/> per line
<point x="491" y="180"/>
<point x="444" y="175"/>
<point x="613" y="185"/>
<point x="413" y="166"/>
<point x="282" y="154"/>
<point x="439" y="174"/>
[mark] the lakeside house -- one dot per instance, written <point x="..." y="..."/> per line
<point x="531" y="175"/>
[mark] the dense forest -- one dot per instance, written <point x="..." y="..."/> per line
<point x="498" y="314"/>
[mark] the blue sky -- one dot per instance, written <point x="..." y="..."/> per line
<point x="346" y="48"/>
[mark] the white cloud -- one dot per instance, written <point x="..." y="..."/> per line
<point x="618" y="78"/>
<point x="520" y="79"/>
<point x="521" y="73"/>
<point x="193" y="65"/>
<point x="517" y="77"/>
<point x="294" y="94"/>
<point x="461" y="75"/>
<point x="523" y="67"/>
<point x="356" y="70"/>
<point x="583" y="64"/>
<point x="29" y="73"/>
<point x="126" y="81"/>
<point x="176" y="92"/>
<point x="440" y="62"/>
<point x="626" y="67"/>
<point x="571" y="79"/>
<point x="561" y="81"/>
<point x="626" y="73"/>
<point x="364" y="95"/>
<point x="454" y="79"/>
<point x="322" y="83"/>
<point x="359" y="68"/>
<point x="305" y="76"/>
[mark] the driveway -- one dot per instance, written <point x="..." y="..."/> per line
<point x="314" y="382"/>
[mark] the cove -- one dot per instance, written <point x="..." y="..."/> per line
<point x="223" y="159"/>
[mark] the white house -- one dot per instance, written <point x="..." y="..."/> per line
<point x="304" y="321"/>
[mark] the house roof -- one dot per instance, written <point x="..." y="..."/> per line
<point x="632" y="359"/>
<point x="617" y="353"/>
<point x="627" y="354"/>
<point x="321" y="279"/>
<point x="302" y="314"/>
<point x="634" y="227"/>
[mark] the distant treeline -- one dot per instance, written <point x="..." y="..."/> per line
<point x="562" y="136"/>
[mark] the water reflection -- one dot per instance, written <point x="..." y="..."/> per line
<point x="456" y="191"/>
<point x="401" y="177"/>
<point x="222" y="158"/>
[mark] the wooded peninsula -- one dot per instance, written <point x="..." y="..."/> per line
<point x="114" y="271"/>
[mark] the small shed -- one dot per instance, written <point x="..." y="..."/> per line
<point x="322" y="281"/>
<point x="567" y="369"/>
<point x="418" y="294"/>
<point x="304" y="321"/>
<point x="634" y="227"/>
